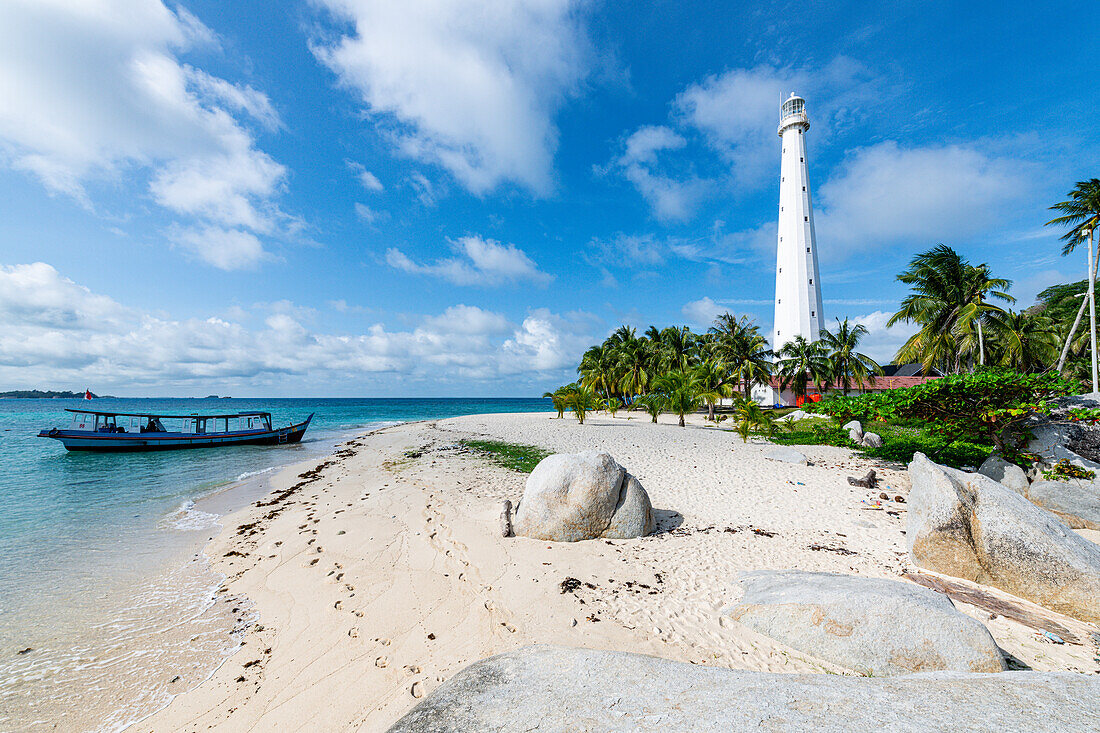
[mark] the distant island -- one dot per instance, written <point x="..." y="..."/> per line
<point x="37" y="394"/>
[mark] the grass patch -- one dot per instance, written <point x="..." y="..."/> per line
<point x="516" y="456"/>
<point x="899" y="442"/>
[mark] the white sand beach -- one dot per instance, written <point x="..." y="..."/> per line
<point x="380" y="572"/>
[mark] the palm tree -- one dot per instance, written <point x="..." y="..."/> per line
<point x="680" y="390"/>
<point x="801" y="362"/>
<point x="653" y="403"/>
<point x="714" y="383"/>
<point x="1081" y="213"/>
<point x="611" y="404"/>
<point x="749" y="416"/>
<point x="947" y="301"/>
<point x="678" y="346"/>
<point x="634" y="364"/>
<point x="1027" y="341"/>
<point x="560" y="399"/>
<point x="597" y="369"/>
<point x="845" y="363"/>
<point x="581" y="399"/>
<point x="739" y="343"/>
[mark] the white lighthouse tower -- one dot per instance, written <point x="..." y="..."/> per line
<point x="797" y="288"/>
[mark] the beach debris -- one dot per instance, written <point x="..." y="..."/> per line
<point x="506" y="519"/>
<point x="887" y="627"/>
<point x="969" y="526"/>
<point x="783" y="454"/>
<point x="1050" y="638"/>
<point x="30" y="649"/>
<point x="567" y="586"/>
<point x="582" y="496"/>
<point x="899" y="499"/>
<point x="828" y="548"/>
<point x="869" y="481"/>
<point x="431" y="637"/>
<point x="762" y="532"/>
<point x="174" y="680"/>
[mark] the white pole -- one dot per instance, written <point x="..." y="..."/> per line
<point x="1092" y="312"/>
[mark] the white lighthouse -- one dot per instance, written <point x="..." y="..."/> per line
<point x="797" y="288"/>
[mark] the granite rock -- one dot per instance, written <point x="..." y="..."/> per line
<point x="582" y="496"/>
<point x="551" y="689"/>
<point x="872" y="626"/>
<point x="969" y="526"/>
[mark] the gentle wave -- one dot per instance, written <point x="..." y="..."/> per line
<point x="189" y="519"/>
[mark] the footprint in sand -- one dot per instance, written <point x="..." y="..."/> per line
<point x="382" y="662"/>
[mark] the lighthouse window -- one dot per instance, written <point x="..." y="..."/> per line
<point x="803" y="188"/>
<point x="807" y="249"/>
<point x="801" y="160"/>
<point x="811" y="281"/>
<point x="813" y="314"/>
<point x="805" y="218"/>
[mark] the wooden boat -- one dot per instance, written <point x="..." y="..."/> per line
<point x="95" y="430"/>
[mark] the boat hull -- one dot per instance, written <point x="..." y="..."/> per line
<point x="83" y="440"/>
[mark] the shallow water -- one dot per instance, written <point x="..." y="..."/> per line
<point x="101" y="573"/>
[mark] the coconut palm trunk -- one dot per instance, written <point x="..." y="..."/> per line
<point x="1092" y="312"/>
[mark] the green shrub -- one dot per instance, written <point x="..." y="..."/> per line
<point x="1065" y="470"/>
<point x="990" y="406"/>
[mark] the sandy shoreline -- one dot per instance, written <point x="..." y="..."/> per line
<point x="378" y="572"/>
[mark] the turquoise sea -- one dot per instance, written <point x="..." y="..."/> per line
<point x="104" y="593"/>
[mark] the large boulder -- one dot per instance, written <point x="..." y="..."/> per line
<point x="582" y="496"/>
<point x="783" y="454"/>
<point x="1076" y="502"/>
<point x="870" y="625"/>
<point x="1005" y="473"/>
<point x="855" y="431"/>
<point x="871" y="440"/>
<point x="548" y="688"/>
<point x="969" y="526"/>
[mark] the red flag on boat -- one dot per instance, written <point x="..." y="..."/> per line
<point x="87" y="394"/>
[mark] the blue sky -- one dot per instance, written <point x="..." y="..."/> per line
<point x="350" y="197"/>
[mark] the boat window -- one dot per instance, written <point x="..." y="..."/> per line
<point x="82" y="421"/>
<point x="216" y="425"/>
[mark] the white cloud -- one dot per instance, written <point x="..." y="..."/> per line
<point x="226" y="249"/>
<point x="468" y="86"/>
<point x="702" y="312"/>
<point x="738" y="111"/>
<point x="93" y="91"/>
<point x="59" y="332"/>
<point x="483" y="262"/>
<point x="370" y="181"/>
<point x="670" y="198"/>
<point x="886" y="194"/>
<point x="881" y="343"/>
<point x="368" y="214"/>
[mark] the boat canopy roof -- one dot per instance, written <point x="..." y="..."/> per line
<point x="162" y="415"/>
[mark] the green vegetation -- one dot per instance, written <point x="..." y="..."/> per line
<point x="989" y="406"/>
<point x="37" y="394"/>
<point x="1065" y="470"/>
<point x="516" y="456"/>
<point x="678" y="371"/>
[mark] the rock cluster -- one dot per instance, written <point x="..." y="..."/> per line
<point x="857" y="436"/>
<point x="872" y="626"/>
<point x="551" y="688"/>
<point x="582" y="496"/>
<point x="969" y="526"/>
